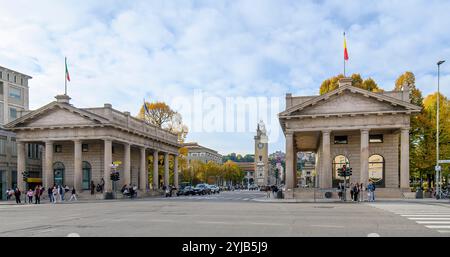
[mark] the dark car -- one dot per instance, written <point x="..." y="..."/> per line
<point x="202" y="189"/>
<point x="187" y="190"/>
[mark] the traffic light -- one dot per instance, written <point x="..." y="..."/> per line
<point x="25" y="175"/>
<point x="115" y="176"/>
<point x="349" y="172"/>
<point x="341" y="172"/>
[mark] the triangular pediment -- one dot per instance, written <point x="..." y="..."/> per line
<point x="350" y="100"/>
<point x="56" y="114"/>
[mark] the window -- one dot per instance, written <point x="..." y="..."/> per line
<point x="376" y="169"/>
<point x="85" y="147"/>
<point x="340" y="140"/>
<point x="7" y="76"/>
<point x="86" y="166"/>
<point x="376" y="138"/>
<point x="12" y="114"/>
<point x="3" y="141"/>
<point x="1" y="75"/>
<point x="33" y="151"/>
<point x="15" y="93"/>
<point x="58" y="173"/>
<point x="1" y="88"/>
<point x="58" y="149"/>
<point x="15" y="79"/>
<point x="21" y="81"/>
<point x="1" y="113"/>
<point x="13" y="147"/>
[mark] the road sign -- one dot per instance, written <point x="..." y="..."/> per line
<point x="437" y="168"/>
<point x="444" y="161"/>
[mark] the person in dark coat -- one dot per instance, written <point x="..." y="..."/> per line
<point x="17" y="195"/>
<point x="92" y="187"/>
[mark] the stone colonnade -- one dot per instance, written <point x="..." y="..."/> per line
<point x="47" y="174"/>
<point x="325" y="172"/>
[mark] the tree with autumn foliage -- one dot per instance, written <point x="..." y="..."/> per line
<point x="357" y="81"/>
<point x="161" y="115"/>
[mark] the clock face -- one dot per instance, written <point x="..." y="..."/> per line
<point x="260" y="145"/>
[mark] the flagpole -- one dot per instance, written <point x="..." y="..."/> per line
<point x="65" y="76"/>
<point x="344" y="56"/>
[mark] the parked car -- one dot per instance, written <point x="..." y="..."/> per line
<point x="253" y="187"/>
<point x="214" y="189"/>
<point x="187" y="190"/>
<point x="201" y="189"/>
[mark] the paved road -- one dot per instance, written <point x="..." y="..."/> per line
<point x="229" y="214"/>
<point x="237" y="195"/>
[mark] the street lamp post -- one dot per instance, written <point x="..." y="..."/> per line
<point x="437" y="176"/>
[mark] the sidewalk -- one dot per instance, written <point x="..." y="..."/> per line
<point x="379" y="200"/>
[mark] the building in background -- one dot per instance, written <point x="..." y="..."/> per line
<point x="14" y="103"/>
<point x="249" y="170"/>
<point x="201" y="153"/>
<point x="261" y="155"/>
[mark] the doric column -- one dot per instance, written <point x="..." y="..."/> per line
<point x="21" y="165"/>
<point x="175" y="170"/>
<point x="290" y="161"/>
<point x="326" y="173"/>
<point x="155" y="170"/>
<point x="107" y="166"/>
<point x="127" y="164"/>
<point x="364" y="157"/>
<point x="143" y="171"/>
<point x="78" y="172"/>
<point x="166" y="169"/>
<point x="404" y="158"/>
<point x="48" y="168"/>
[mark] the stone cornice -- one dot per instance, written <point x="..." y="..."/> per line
<point x="351" y="114"/>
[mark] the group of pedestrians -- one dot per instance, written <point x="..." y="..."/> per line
<point x="129" y="190"/>
<point x="55" y="192"/>
<point x="59" y="192"/>
<point x="357" y="191"/>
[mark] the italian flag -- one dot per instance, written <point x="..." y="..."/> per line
<point x="67" y="71"/>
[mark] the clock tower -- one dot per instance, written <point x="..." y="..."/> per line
<point x="261" y="156"/>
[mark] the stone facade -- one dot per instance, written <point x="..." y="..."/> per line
<point x="80" y="144"/>
<point x="14" y="102"/>
<point x="201" y="153"/>
<point x="350" y="126"/>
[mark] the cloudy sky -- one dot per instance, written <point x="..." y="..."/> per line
<point x="204" y="57"/>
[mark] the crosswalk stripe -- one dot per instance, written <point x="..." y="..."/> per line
<point x="437" y="218"/>
<point x="433" y="222"/>
<point x="437" y="226"/>
<point x="426" y="215"/>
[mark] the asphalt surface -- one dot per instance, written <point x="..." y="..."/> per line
<point x="226" y="214"/>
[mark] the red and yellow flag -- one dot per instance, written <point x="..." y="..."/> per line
<point x="67" y="70"/>
<point x="345" y="49"/>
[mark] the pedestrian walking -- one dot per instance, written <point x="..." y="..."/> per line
<point x="92" y="187"/>
<point x="355" y="192"/>
<point x="61" y="193"/>
<point x="50" y="194"/>
<point x="74" y="195"/>
<point x="30" y="195"/>
<point x="17" y="195"/>
<point x="371" y="189"/>
<point x="37" y="195"/>
<point x="54" y="194"/>
<point x="351" y="191"/>
<point x="8" y="196"/>
<point x="361" y="192"/>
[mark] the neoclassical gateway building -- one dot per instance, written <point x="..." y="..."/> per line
<point x="367" y="131"/>
<point x="80" y="145"/>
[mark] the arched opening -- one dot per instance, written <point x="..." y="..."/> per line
<point x="338" y="162"/>
<point x="58" y="173"/>
<point x="86" y="166"/>
<point x="376" y="170"/>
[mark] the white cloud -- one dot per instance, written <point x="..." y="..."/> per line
<point x="120" y="52"/>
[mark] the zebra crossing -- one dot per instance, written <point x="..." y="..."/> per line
<point x="432" y="216"/>
<point x="224" y="196"/>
